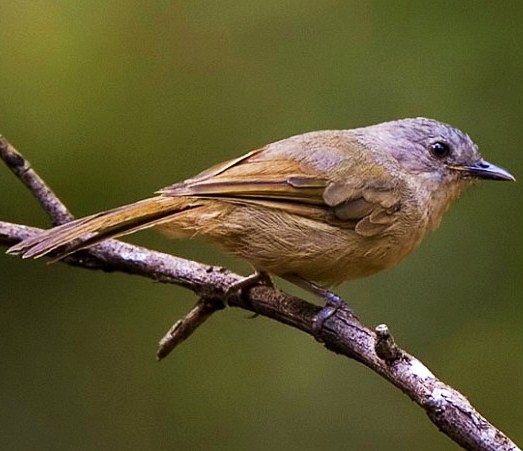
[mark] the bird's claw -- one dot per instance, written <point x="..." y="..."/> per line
<point x="238" y="288"/>
<point x="333" y="304"/>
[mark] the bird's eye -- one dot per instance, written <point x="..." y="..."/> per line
<point x="440" y="149"/>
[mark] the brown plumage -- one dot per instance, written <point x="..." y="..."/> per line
<point x="325" y="206"/>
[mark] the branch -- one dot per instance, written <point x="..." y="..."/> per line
<point x="342" y="333"/>
<point x="53" y="206"/>
<point x="183" y="328"/>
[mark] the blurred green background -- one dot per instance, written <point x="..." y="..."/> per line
<point x="112" y="100"/>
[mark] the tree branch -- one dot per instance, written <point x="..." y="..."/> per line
<point x="184" y="328"/>
<point x="342" y="333"/>
<point x="53" y="206"/>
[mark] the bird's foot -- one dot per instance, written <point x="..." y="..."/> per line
<point x="257" y="278"/>
<point x="332" y="305"/>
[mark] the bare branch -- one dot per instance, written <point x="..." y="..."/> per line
<point x="342" y="333"/>
<point x="15" y="161"/>
<point x="184" y="328"/>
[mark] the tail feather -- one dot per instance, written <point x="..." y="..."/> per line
<point x="86" y="232"/>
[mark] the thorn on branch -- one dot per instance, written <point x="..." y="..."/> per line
<point x="385" y="346"/>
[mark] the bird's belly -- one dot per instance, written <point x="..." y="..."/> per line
<point x="281" y="243"/>
<point x="317" y="251"/>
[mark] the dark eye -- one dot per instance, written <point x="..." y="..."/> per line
<point x="440" y="149"/>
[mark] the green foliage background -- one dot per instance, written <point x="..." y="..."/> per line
<point x="111" y="100"/>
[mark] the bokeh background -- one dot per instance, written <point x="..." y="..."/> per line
<point x="112" y="100"/>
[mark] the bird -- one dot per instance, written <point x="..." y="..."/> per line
<point x="316" y="209"/>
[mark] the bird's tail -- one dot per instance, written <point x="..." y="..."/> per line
<point x="86" y="232"/>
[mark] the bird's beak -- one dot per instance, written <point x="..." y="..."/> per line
<point x="485" y="170"/>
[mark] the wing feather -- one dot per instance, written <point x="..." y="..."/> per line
<point x="287" y="184"/>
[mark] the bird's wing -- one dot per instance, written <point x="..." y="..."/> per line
<point x="252" y="177"/>
<point x="371" y="204"/>
<point x="363" y="202"/>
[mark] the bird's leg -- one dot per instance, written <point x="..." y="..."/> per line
<point x="332" y="305"/>
<point x="257" y="278"/>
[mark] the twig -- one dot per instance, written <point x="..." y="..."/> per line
<point x="184" y="328"/>
<point x="342" y="333"/>
<point x="53" y="206"/>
